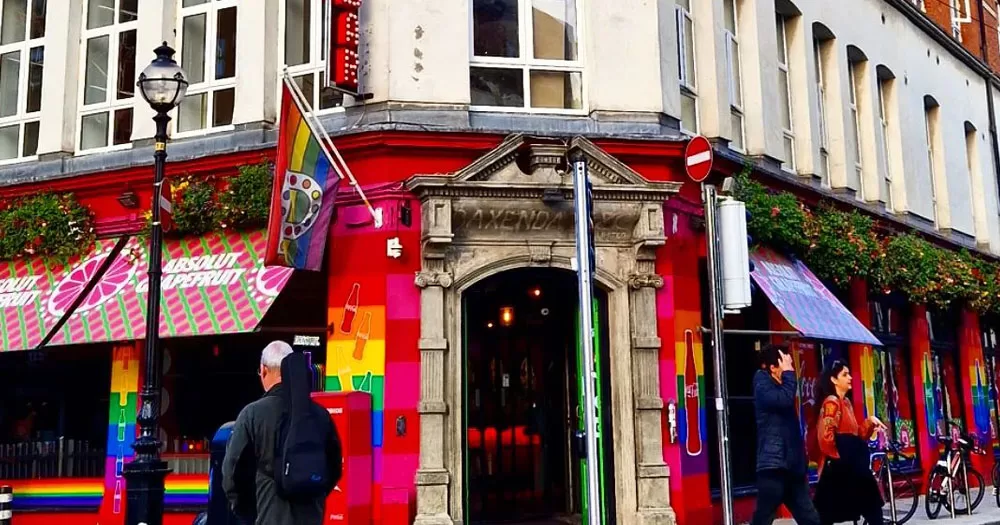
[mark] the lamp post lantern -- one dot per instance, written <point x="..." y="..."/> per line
<point x="163" y="85"/>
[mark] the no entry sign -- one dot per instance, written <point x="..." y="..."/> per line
<point x="698" y="158"/>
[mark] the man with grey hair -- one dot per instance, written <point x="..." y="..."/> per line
<point x="248" y="470"/>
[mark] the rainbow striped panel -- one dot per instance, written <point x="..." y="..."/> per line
<point x="121" y="427"/>
<point x="56" y="493"/>
<point x="186" y="491"/>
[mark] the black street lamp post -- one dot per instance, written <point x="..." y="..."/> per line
<point x="163" y="85"/>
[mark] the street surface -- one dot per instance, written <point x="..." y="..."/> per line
<point x="986" y="514"/>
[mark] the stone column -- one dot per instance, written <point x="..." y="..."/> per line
<point x="433" y="479"/>
<point x="653" y="475"/>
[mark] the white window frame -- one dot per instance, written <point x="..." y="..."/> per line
<point x="789" y="132"/>
<point x="954" y="15"/>
<point x="210" y="85"/>
<point x="931" y="159"/>
<point x="21" y="117"/>
<point x="883" y="116"/>
<point x="824" y="153"/>
<point x="856" y="117"/>
<point x="688" y="79"/>
<point x="734" y="63"/>
<point x="317" y="54"/>
<point x="526" y="63"/>
<point x="110" y="104"/>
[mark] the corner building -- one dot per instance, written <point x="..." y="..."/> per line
<point x="458" y="315"/>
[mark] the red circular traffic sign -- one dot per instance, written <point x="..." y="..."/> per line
<point x="698" y="158"/>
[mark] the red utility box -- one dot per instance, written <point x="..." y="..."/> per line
<point x="351" y="502"/>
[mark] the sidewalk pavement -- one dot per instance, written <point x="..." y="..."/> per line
<point x="986" y="514"/>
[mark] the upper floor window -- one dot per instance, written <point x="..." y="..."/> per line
<point x="784" y="88"/>
<point x="857" y="65"/>
<point x="885" y="114"/>
<point x="823" y="167"/>
<point x="526" y="54"/>
<point x="955" y="9"/>
<point x="934" y="155"/>
<point x="108" y="89"/>
<point x="919" y="5"/>
<point x="686" y="72"/>
<point x="208" y="56"/>
<point x="22" y="58"/>
<point x="734" y="71"/>
<point x="304" y="51"/>
<point x="977" y="191"/>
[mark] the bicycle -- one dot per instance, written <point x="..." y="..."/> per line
<point x="954" y="476"/>
<point x="996" y="481"/>
<point x="899" y="493"/>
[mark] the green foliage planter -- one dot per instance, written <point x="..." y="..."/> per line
<point x="47" y="225"/>
<point x="839" y="246"/>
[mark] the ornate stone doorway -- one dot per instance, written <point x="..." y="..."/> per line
<point x="512" y="209"/>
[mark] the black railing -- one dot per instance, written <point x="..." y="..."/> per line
<point x="63" y="458"/>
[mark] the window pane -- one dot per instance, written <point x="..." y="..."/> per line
<point x="734" y="64"/>
<point x="729" y="15"/>
<point x="222" y="107"/>
<point x="306" y="84"/>
<point x="556" y="89"/>
<point x="297" y="26"/>
<point x="494" y="28"/>
<point x="36" y="62"/>
<point x="853" y="86"/>
<point x="779" y="25"/>
<point x="38" y="19"/>
<point x="192" y="113"/>
<point x="786" y="117"/>
<point x="100" y="13"/>
<point x="94" y="131"/>
<point x="15" y="13"/>
<point x="193" y="56"/>
<point x="96" y="82"/>
<point x="126" y="65"/>
<point x="328" y="98"/>
<point x="689" y="52"/>
<point x="10" y="70"/>
<point x="736" y="120"/>
<point x="128" y="10"/>
<point x="8" y="142"/>
<point x="789" y="162"/>
<point x="30" y="138"/>
<point x="689" y="113"/>
<point x="554" y="29"/>
<point x="189" y="3"/>
<point x="225" y="45"/>
<point x="123" y="126"/>
<point x="686" y="4"/>
<point x="497" y="87"/>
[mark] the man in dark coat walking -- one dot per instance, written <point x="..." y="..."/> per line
<point x="781" y="454"/>
<point x="248" y="468"/>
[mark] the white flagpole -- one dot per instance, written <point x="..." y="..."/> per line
<point x="317" y="129"/>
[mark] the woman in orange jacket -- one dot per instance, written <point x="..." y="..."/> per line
<point x="847" y="489"/>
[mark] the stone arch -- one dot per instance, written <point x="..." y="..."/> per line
<point x="606" y="280"/>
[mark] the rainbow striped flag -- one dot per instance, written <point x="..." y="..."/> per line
<point x="304" y="192"/>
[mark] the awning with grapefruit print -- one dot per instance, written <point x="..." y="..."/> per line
<point x="214" y="284"/>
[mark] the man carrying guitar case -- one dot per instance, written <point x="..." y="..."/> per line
<point x="284" y="456"/>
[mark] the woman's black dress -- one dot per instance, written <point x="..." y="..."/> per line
<point x="847" y="489"/>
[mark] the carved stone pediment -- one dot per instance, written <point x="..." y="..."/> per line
<point x="523" y="190"/>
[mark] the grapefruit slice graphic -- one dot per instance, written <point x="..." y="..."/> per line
<point x="271" y="279"/>
<point x="114" y="281"/>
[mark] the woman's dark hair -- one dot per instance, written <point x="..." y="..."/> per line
<point x="824" y="385"/>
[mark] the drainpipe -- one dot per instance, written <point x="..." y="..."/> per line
<point x="984" y="51"/>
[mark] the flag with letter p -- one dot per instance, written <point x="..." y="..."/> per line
<point x="304" y="191"/>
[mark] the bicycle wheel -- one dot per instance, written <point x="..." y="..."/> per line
<point x="996" y="482"/>
<point x="905" y="496"/>
<point x="932" y="500"/>
<point x="964" y="495"/>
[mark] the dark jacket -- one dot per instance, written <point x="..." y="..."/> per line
<point x="250" y="453"/>
<point x="779" y="439"/>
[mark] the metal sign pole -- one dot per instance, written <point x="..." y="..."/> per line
<point x="715" y="295"/>
<point x="584" y="275"/>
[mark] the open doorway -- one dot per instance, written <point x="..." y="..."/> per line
<point x="522" y="398"/>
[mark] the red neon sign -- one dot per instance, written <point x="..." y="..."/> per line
<point x="343" y="35"/>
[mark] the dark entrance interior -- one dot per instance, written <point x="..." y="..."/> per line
<point x="521" y="397"/>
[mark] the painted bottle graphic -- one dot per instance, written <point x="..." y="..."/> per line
<point x="118" y="497"/>
<point x="121" y="425"/>
<point x="350" y="309"/>
<point x="120" y="461"/>
<point x="930" y="403"/>
<point x="364" y="332"/>
<point x="692" y="408"/>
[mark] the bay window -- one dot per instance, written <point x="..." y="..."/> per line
<point x="207" y="31"/>
<point x="526" y="54"/>
<point x="107" y="93"/>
